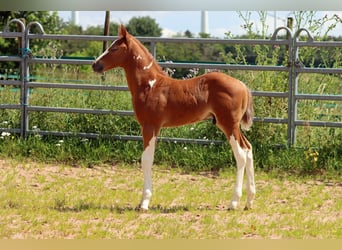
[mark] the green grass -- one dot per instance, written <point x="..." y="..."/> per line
<point x="265" y="137"/>
<point x="48" y="201"/>
<point x="324" y="160"/>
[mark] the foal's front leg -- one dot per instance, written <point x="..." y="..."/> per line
<point x="146" y="164"/>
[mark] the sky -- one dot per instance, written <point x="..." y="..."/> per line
<point x="173" y="22"/>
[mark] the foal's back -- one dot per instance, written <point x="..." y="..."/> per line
<point x="179" y="102"/>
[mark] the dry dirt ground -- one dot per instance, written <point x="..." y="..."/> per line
<point x="183" y="201"/>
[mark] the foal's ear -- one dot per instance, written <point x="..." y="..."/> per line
<point x="122" y="31"/>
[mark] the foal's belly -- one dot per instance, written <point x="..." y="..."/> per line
<point x="184" y="117"/>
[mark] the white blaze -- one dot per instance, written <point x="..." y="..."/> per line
<point x="102" y="55"/>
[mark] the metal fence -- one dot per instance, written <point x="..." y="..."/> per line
<point x="293" y="70"/>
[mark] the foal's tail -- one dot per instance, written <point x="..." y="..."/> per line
<point x="247" y="118"/>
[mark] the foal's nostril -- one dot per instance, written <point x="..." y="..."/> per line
<point x="97" y="67"/>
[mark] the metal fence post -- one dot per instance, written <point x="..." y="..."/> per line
<point x="21" y="48"/>
<point x="26" y="78"/>
<point x="292" y="108"/>
<point x="26" y="70"/>
<point x="289" y="48"/>
<point x="22" y="80"/>
<point x="291" y="112"/>
<point x="153" y="49"/>
<point x="296" y="65"/>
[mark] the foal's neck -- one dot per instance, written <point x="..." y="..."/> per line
<point x="139" y="77"/>
<point x="140" y="71"/>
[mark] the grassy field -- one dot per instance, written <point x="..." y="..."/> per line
<point x="89" y="188"/>
<point x="76" y="188"/>
<point x="51" y="201"/>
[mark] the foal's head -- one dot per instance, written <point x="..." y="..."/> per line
<point x="115" y="55"/>
<point x="123" y="52"/>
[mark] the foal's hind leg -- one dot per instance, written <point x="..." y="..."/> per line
<point x="243" y="154"/>
<point x="242" y="151"/>
<point x="250" y="178"/>
<point x="241" y="159"/>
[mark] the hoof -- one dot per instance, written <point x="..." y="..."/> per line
<point x="233" y="206"/>
<point x="249" y="205"/>
<point x="141" y="208"/>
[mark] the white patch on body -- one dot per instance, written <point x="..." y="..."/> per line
<point x="148" y="66"/>
<point x="152" y="82"/>
<point x="146" y="164"/>
<point x="139" y="57"/>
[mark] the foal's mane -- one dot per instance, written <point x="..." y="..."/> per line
<point x="132" y="41"/>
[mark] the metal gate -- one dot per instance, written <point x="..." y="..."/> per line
<point x="293" y="69"/>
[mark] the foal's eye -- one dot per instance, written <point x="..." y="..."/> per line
<point x="114" y="48"/>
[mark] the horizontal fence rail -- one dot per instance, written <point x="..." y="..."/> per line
<point x="293" y="69"/>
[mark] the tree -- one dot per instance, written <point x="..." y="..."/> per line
<point x="188" y="34"/>
<point x="204" y="35"/>
<point x="144" y="26"/>
<point x="98" y="30"/>
<point x="49" y="20"/>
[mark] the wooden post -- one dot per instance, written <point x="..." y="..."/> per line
<point x="106" y="33"/>
<point x="106" y="29"/>
<point x="290" y="26"/>
<point x="290" y="23"/>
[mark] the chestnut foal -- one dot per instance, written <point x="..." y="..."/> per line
<point x="160" y="101"/>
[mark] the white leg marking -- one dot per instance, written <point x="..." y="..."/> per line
<point x="250" y="179"/>
<point x="146" y="164"/>
<point x="241" y="159"/>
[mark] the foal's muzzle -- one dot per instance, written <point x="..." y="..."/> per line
<point x="98" y="67"/>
